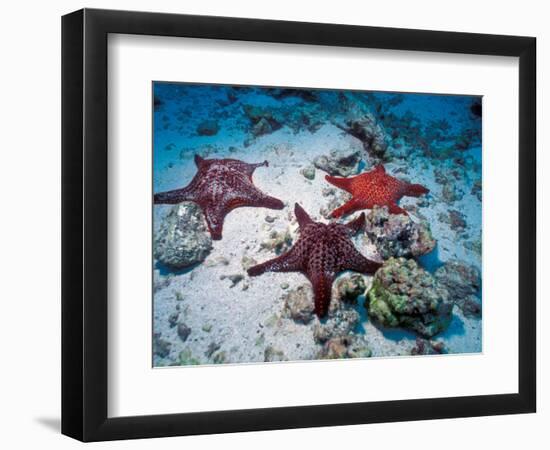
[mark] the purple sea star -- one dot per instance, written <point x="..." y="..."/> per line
<point x="321" y="252"/>
<point x="219" y="186"/>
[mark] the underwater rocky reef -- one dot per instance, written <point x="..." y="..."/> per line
<point x="298" y="224"/>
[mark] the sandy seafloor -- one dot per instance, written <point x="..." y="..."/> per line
<point x="243" y="320"/>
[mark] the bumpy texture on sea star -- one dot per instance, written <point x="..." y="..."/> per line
<point x="321" y="252"/>
<point x="374" y="188"/>
<point x="219" y="186"/>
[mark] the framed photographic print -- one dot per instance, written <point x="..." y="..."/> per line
<point x="273" y="224"/>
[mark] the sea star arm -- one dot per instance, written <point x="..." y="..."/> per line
<point x="342" y="183"/>
<point x="214" y="215"/>
<point x="356" y="224"/>
<point x="250" y="168"/>
<point x="240" y="166"/>
<point x="353" y="205"/>
<point x="322" y="290"/>
<point x="259" y="199"/>
<point x="394" y="209"/>
<point x="302" y="216"/>
<point x="272" y="202"/>
<point x="199" y="161"/>
<point x="288" y="262"/>
<point x="414" y="190"/>
<point x="358" y="263"/>
<point x="175" y="196"/>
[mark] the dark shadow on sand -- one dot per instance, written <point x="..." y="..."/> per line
<point x="166" y="270"/>
<point x="456" y="328"/>
<point x="431" y="261"/>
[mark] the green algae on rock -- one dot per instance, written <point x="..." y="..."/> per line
<point x="405" y="295"/>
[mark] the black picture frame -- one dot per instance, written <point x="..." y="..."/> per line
<point x="84" y="224"/>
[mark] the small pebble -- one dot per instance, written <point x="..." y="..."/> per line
<point x="183" y="331"/>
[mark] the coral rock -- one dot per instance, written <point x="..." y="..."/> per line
<point x="208" y="128"/>
<point x="186" y="358"/>
<point x="340" y="322"/>
<point x="344" y="347"/>
<point x="396" y="235"/>
<point x="212" y="348"/>
<point x="173" y="319"/>
<point x="183" y="331"/>
<point x="261" y="128"/>
<point x="451" y="193"/>
<point x="369" y="132"/>
<point x="183" y="239"/>
<point x="405" y="295"/>
<point x="278" y="241"/>
<point x="161" y="347"/>
<point x="219" y="358"/>
<point x="262" y="120"/>
<point x="348" y="288"/>
<point x="426" y="347"/>
<point x="475" y="246"/>
<point x="308" y="172"/>
<point x="463" y="283"/>
<point x="272" y="355"/>
<point x="457" y="220"/>
<point x="298" y="304"/>
<point x="339" y="162"/>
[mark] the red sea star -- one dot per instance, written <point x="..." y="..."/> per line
<point x="321" y="252"/>
<point x="374" y="188"/>
<point x="219" y="186"/>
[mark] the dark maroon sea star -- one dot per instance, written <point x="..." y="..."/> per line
<point x="219" y="186"/>
<point x="321" y="252"/>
